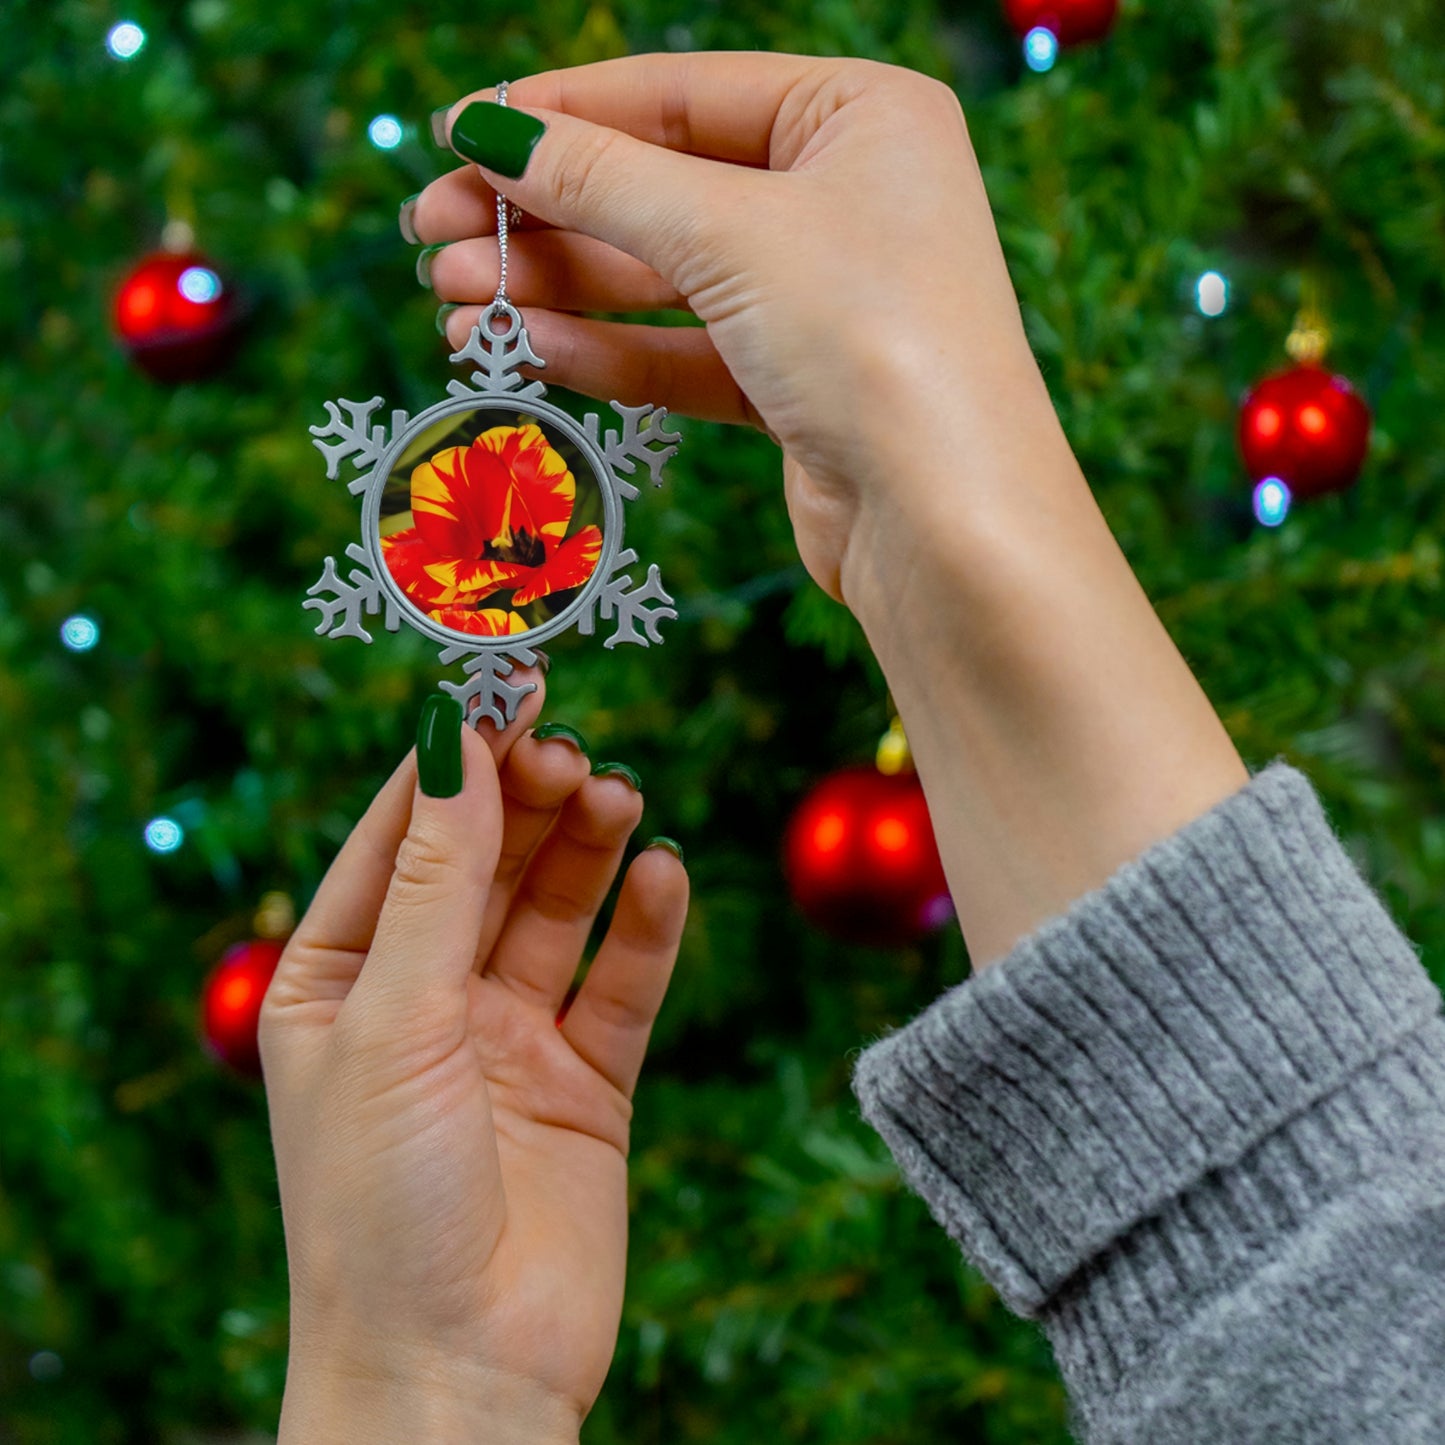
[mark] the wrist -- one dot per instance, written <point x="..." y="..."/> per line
<point x="405" y="1395"/>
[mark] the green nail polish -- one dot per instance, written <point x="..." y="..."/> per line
<point x="671" y="844"/>
<point x="439" y="747"/>
<point x="405" y="220"/>
<point x="443" y="311"/>
<point x="496" y="136"/>
<point x="543" y="661"/>
<point x="561" y="730"/>
<point x="423" y="262"/>
<point x="617" y="770"/>
<point x="438" y="125"/>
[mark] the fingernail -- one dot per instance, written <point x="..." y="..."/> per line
<point x="561" y="730"/>
<point x="423" y="262"/>
<point x="619" y="770"/>
<point x="543" y="661"/>
<point x="496" y="136"/>
<point x="671" y="844"/>
<point x="443" y="311"/>
<point x="405" y="219"/>
<point x="439" y="126"/>
<point x="439" y="747"/>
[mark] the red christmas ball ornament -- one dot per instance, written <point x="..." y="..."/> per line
<point x="1306" y="426"/>
<point x="1071" y="22"/>
<point x="231" y="1003"/>
<point x="176" y="317"/>
<point x="861" y="860"/>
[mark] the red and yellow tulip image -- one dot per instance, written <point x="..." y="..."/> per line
<point x="487" y="518"/>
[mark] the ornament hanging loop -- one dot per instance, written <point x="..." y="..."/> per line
<point x="500" y="301"/>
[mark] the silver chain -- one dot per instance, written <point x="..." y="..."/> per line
<point x="501" y="299"/>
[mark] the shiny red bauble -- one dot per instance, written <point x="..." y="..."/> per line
<point x="861" y="860"/>
<point x="176" y="317"/>
<point x="231" y="1003"/>
<point x="1307" y="427"/>
<point x="1073" y="22"/>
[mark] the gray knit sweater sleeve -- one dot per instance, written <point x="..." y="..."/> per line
<point x="1196" y="1127"/>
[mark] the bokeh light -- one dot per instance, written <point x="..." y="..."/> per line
<point x="385" y="132"/>
<point x="126" y="40"/>
<point x="199" y="284"/>
<point x="1271" y="502"/>
<point x="80" y="633"/>
<point x="1211" y="293"/>
<point x="164" y="835"/>
<point x="1041" y="48"/>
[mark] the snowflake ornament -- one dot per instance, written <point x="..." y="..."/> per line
<point x="493" y="520"/>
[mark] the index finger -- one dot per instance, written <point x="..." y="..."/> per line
<point x="723" y="105"/>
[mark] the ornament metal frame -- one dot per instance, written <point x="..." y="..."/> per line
<point x="496" y="385"/>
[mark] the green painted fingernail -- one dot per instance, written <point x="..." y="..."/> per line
<point x="543" y="661"/>
<point x="671" y="844"/>
<point x="406" y="220"/>
<point x="439" y="126"/>
<point x="619" y="770"/>
<point x="443" y="311"/>
<point x="439" y="747"/>
<point x="423" y="262"/>
<point x="561" y="730"/>
<point x="496" y="136"/>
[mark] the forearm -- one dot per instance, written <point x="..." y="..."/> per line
<point x="417" y="1402"/>
<point x="1057" y="730"/>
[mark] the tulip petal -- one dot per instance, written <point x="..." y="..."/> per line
<point x="472" y="581"/>
<point x="484" y="622"/>
<point x="408" y="559"/>
<point x="569" y="566"/>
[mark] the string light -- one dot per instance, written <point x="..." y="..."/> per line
<point x="80" y="633"/>
<point x="126" y="40"/>
<point x="1211" y="293"/>
<point x="1041" y="48"/>
<point x="1271" y="502"/>
<point x="199" y="284"/>
<point x="164" y="835"/>
<point x="385" y="132"/>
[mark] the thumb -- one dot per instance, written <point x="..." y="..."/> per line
<point x="426" y="934"/>
<point x="656" y="204"/>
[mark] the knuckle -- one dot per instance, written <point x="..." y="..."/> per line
<point x="576" y="178"/>
<point x="424" y="862"/>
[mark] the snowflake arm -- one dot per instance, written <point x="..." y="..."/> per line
<point x="643" y="438"/>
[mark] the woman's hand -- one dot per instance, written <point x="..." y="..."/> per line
<point x="827" y="220"/>
<point x="452" y="1159"/>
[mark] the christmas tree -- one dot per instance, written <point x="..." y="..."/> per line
<point x="178" y="744"/>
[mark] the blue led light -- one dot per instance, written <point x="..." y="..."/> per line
<point x="1271" y="502"/>
<point x="1211" y="294"/>
<point x="126" y="40"/>
<point x="385" y="132"/>
<point x="199" y="284"/>
<point x="164" y="835"/>
<point x="1041" y="48"/>
<point x="80" y="633"/>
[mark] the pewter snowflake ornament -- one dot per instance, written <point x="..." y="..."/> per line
<point x="493" y="520"/>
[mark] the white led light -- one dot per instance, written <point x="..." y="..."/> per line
<point x="80" y="633"/>
<point x="1041" y="48"/>
<point x="126" y="40"/>
<point x="385" y="132"/>
<point x="164" y="835"/>
<point x="1212" y="294"/>
<point x="1271" y="502"/>
<point x="199" y="284"/>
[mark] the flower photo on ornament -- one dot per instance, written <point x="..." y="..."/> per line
<point x="491" y="530"/>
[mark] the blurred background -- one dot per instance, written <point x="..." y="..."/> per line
<point x="1212" y="210"/>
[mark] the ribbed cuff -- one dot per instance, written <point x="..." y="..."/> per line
<point x="1225" y="982"/>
